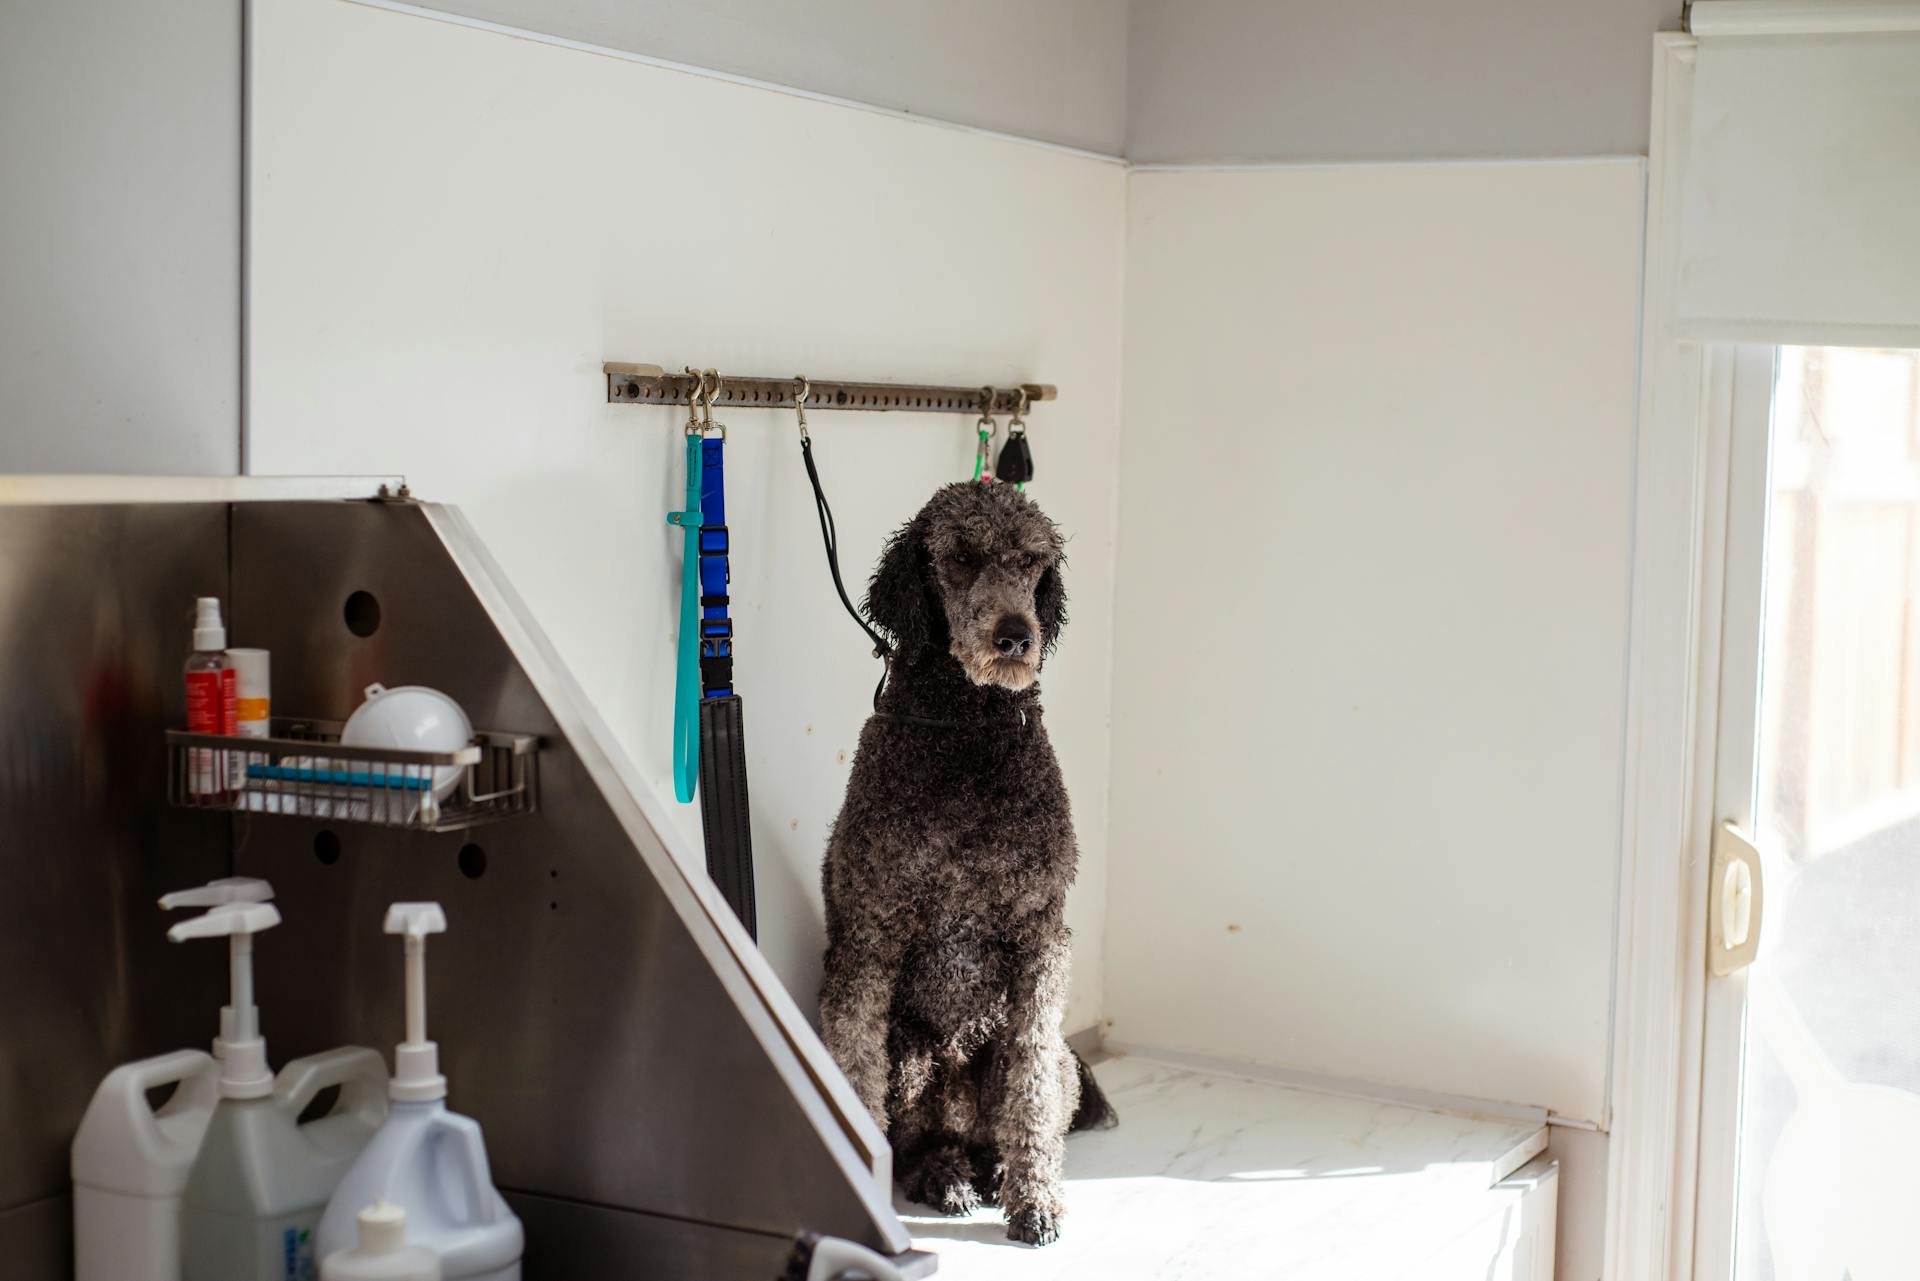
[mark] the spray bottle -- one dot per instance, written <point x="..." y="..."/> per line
<point x="211" y="703"/>
<point x="426" y="1158"/>
<point x="263" y="1178"/>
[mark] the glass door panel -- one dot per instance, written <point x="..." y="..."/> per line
<point x="1827" y="1177"/>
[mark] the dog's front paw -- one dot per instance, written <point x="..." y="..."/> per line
<point x="987" y="1173"/>
<point x="1033" y="1226"/>
<point x="944" y="1180"/>
<point x="957" y="1199"/>
<point x="949" y="1193"/>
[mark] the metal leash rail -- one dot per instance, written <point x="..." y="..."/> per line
<point x="630" y="384"/>
<point x="709" y="738"/>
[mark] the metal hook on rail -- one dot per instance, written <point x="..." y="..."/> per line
<point x="1014" y="466"/>
<point x="694" y="394"/>
<point x="706" y="421"/>
<point x="982" y="464"/>
<point x="802" y="392"/>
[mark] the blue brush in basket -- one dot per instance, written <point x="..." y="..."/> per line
<point x="345" y="778"/>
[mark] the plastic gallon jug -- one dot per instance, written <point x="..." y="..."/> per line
<point x="130" y="1165"/>
<point x="262" y="1178"/>
<point x="426" y="1158"/>
<point x="131" y="1161"/>
<point x="382" y="1253"/>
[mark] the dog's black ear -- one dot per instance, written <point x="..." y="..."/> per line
<point x="1050" y="603"/>
<point x="900" y="598"/>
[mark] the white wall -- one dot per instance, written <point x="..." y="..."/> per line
<point x="454" y="228"/>
<point x="1264" y="80"/>
<point x="1369" y="671"/>
<point x="1055" y="70"/>
<point x="119" y="236"/>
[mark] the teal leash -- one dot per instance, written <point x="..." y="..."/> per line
<point x="686" y="688"/>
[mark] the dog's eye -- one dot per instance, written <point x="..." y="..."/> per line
<point x="1026" y="561"/>
<point x="967" y="560"/>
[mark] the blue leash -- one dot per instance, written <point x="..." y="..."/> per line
<point x="686" y="689"/>
<point x="725" y="816"/>
<point x="716" y="629"/>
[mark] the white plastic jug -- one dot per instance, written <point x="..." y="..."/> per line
<point x="434" y="1162"/>
<point x="130" y="1165"/>
<point x="257" y="1192"/>
<point x="426" y="1158"/>
<point x="382" y="1253"/>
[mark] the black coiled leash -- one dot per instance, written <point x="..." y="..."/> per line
<point x="828" y="535"/>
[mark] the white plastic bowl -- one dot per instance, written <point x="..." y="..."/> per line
<point x="412" y="718"/>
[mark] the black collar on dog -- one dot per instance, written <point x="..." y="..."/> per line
<point x="1025" y="719"/>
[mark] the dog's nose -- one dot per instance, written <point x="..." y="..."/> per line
<point x="1012" y="637"/>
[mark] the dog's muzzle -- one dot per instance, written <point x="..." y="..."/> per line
<point x="1012" y="637"/>
<point x="1007" y="655"/>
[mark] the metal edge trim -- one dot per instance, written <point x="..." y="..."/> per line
<point x="49" y="491"/>
<point x="776" y="1022"/>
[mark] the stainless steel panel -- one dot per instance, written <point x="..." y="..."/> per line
<point x="567" y="1240"/>
<point x="95" y="613"/>
<point x="36" y="1240"/>
<point x="104" y="491"/>
<point x="643" y="1080"/>
<point x="597" y="1028"/>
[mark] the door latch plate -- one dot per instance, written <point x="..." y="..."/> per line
<point x="1734" y="901"/>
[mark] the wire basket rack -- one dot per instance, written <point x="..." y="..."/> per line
<point x="303" y="770"/>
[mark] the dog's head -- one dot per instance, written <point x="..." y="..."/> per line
<point x="977" y="572"/>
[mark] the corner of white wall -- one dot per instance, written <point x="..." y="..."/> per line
<point x="1368" y="828"/>
<point x="462" y="346"/>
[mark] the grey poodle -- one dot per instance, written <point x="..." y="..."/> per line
<point x="947" y="871"/>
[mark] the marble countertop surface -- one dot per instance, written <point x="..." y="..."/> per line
<point x="1215" y="1176"/>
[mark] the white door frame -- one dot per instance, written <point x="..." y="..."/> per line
<point x="1700" y="526"/>
<point x="1693" y="687"/>
<point x="1679" y="561"/>
<point x="1745" y="425"/>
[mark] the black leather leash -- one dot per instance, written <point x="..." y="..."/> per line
<point x="831" y="537"/>
<point x="1016" y="458"/>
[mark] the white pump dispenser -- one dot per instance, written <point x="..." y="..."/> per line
<point x="131" y="1160"/>
<point x="416" y="1060"/>
<point x="243" y="1051"/>
<point x="262" y="1177"/>
<point x="228" y="889"/>
<point x="425" y="1157"/>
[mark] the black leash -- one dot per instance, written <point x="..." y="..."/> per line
<point x="725" y="815"/>
<point x="1016" y="462"/>
<point x="831" y="537"/>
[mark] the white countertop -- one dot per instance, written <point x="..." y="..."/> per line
<point x="1214" y="1176"/>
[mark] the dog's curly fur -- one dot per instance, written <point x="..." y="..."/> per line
<point x="947" y="871"/>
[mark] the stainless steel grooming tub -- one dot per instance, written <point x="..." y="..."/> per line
<point x="654" y="1103"/>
